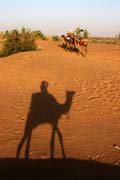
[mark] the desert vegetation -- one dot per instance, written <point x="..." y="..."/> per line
<point x="101" y="40"/>
<point x="55" y="38"/>
<point x="85" y="31"/>
<point x="17" y="41"/>
<point x="38" y="34"/>
<point x="118" y="36"/>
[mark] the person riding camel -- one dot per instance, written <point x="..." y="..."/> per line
<point x="70" y="33"/>
<point x="81" y="35"/>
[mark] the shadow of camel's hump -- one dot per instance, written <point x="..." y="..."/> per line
<point x="44" y="109"/>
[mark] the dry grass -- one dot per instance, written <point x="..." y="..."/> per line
<point x="105" y="40"/>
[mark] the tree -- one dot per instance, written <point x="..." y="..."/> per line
<point x="77" y="31"/>
<point x="118" y="35"/>
<point x="86" y="34"/>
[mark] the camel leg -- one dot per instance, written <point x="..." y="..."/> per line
<point x="74" y="44"/>
<point x="67" y="46"/>
<point x="86" y="49"/>
<point x="20" y="145"/>
<point x="52" y="143"/>
<point x="28" y="145"/>
<point x="61" y="142"/>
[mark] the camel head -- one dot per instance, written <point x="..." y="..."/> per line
<point x="63" y="36"/>
<point x="66" y="106"/>
<point x="70" y="94"/>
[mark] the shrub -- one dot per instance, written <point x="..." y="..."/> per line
<point x="78" y="31"/>
<point x="17" y="42"/>
<point x="55" y="38"/>
<point x="86" y="34"/>
<point x="39" y="34"/>
<point x="118" y="36"/>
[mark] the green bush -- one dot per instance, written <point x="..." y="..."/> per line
<point x="55" y="38"/>
<point x="39" y="34"/>
<point x="77" y="31"/>
<point x="86" y="34"/>
<point x="17" y="42"/>
<point x="118" y="36"/>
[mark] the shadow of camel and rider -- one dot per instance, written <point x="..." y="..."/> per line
<point x="44" y="108"/>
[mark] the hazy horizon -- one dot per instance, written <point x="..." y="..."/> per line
<point x="54" y="17"/>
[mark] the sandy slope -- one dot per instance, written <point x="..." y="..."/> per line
<point x="92" y="125"/>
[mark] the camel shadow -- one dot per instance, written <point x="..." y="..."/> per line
<point x="44" y="108"/>
<point x="75" y="50"/>
<point x="63" y="46"/>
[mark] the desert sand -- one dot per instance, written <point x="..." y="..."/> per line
<point x="86" y="132"/>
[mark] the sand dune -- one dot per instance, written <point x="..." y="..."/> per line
<point x="92" y="124"/>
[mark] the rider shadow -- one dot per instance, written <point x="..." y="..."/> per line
<point x="44" y="108"/>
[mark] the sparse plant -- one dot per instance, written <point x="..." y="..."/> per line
<point x="102" y="40"/>
<point x="55" y="38"/>
<point x="39" y="34"/>
<point x="118" y="35"/>
<point x="16" y="41"/>
<point x="77" y="31"/>
<point x="86" y="34"/>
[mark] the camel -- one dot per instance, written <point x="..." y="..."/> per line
<point x="65" y="39"/>
<point x="69" y="41"/>
<point x="45" y="109"/>
<point x="82" y="43"/>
